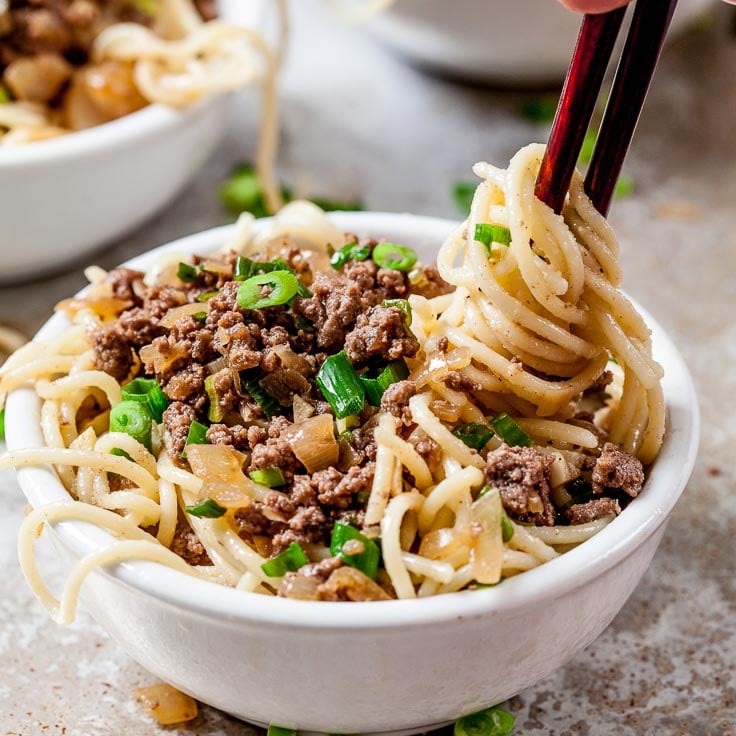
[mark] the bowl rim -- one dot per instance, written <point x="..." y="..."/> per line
<point x="643" y="516"/>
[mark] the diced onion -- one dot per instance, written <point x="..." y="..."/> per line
<point x="439" y="365"/>
<point x="302" y="409"/>
<point x="185" y="310"/>
<point x="486" y="556"/>
<point x="166" y="704"/>
<point x="216" y="365"/>
<point x="448" y="545"/>
<point x="313" y="442"/>
<point x="221" y="469"/>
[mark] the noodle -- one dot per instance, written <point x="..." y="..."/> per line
<point x="528" y="332"/>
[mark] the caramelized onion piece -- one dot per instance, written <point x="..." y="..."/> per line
<point x="438" y="365"/>
<point x="486" y="554"/>
<point x="313" y="442"/>
<point x="166" y="704"/>
<point x="37" y="78"/>
<point x="185" y="310"/>
<point x="348" y="584"/>
<point x="447" y="545"/>
<point x="221" y="469"/>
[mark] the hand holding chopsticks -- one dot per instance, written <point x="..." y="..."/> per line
<point x="582" y="87"/>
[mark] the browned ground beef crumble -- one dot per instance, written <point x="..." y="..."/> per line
<point x="284" y="348"/>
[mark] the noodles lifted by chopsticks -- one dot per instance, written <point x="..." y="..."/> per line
<point x="517" y="400"/>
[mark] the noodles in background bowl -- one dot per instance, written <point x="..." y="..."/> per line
<point x="362" y="430"/>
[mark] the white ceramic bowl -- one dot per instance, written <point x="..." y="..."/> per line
<point x="400" y="666"/>
<point x="497" y="41"/>
<point x="62" y="198"/>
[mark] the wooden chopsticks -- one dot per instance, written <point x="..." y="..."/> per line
<point x="582" y="86"/>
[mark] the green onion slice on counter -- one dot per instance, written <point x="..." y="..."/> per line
<point x="207" y="509"/>
<point x="290" y="560"/>
<point x="280" y="731"/>
<point x="490" y="722"/>
<point x="487" y="234"/>
<point x="133" y="418"/>
<point x="397" y="257"/>
<point x="510" y="432"/>
<point x="270" y="477"/>
<point x="473" y="434"/>
<point x="462" y="195"/>
<point x="355" y="549"/>
<point x="148" y="392"/>
<point x="341" y="386"/>
<point x="283" y="284"/>
<point x="375" y="387"/>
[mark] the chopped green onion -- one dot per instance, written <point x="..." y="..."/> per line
<point x="250" y="381"/>
<point x="510" y="432"/>
<point x="290" y="560"/>
<point x="374" y="387"/>
<point x="331" y="205"/>
<point x="197" y="436"/>
<point x="302" y="323"/>
<point x="624" y="187"/>
<point x="362" y="496"/>
<point x="578" y="491"/>
<point x="490" y="722"/>
<point x="4" y="95"/>
<point x="205" y="296"/>
<point x="207" y="509"/>
<point x="270" y="477"/>
<point x="507" y="528"/>
<point x="586" y="150"/>
<point x="245" y="269"/>
<point x="473" y="434"/>
<point x="341" y="386"/>
<point x="148" y="392"/>
<point x="396" y="257"/>
<point x="279" y="731"/>
<point x="133" y="418"/>
<point x="403" y="306"/>
<point x="367" y="554"/>
<point x="462" y="195"/>
<point x="539" y="110"/>
<point x="487" y="234"/>
<point x="2" y="424"/>
<point x="349" y="252"/>
<point x="284" y="286"/>
<point x="186" y="273"/>
<point x="215" y="413"/>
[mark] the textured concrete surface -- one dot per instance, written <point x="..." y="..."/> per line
<point x="358" y="123"/>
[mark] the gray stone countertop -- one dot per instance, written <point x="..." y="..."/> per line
<point x="358" y="123"/>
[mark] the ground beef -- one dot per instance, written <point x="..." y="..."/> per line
<point x="236" y="436"/>
<point x="431" y="284"/>
<point x="188" y="385"/>
<point x="582" y="513"/>
<point x="178" y="417"/>
<point x="275" y="452"/>
<point x="395" y="399"/>
<point x="617" y="470"/>
<point x="137" y="328"/>
<point x="341" y="491"/>
<point x="187" y="545"/>
<point x="428" y="449"/>
<point x="122" y="281"/>
<point x="521" y="475"/>
<point x="380" y="335"/>
<point x="600" y="384"/>
<point x="458" y="381"/>
<point x="112" y="353"/>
